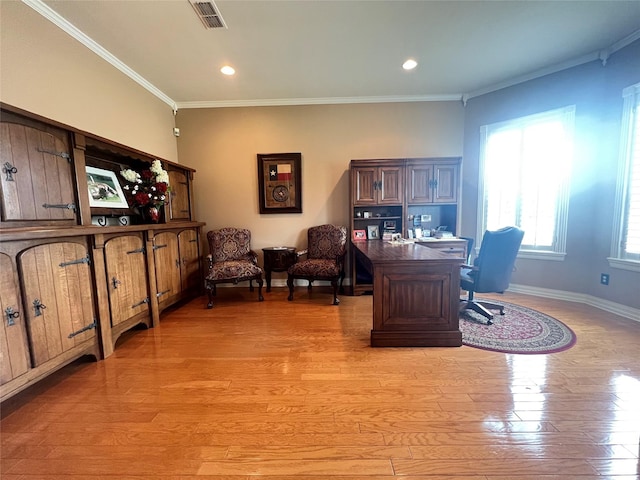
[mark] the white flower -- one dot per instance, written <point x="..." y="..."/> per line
<point x="130" y="175"/>
<point x="156" y="167"/>
<point x="162" y="177"/>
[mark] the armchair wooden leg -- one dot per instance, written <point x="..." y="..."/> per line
<point x="260" y="282"/>
<point x="334" y="284"/>
<point x="211" y="291"/>
<point x="290" y="285"/>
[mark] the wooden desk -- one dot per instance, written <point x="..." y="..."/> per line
<point x="416" y="294"/>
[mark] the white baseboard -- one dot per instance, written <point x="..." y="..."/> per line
<point x="606" y="305"/>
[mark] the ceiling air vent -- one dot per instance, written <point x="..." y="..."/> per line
<point x="208" y="14"/>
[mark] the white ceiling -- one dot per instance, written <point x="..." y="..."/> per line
<point x="306" y="51"/>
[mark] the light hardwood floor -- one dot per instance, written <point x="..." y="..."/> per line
<point x="284" y="389"/>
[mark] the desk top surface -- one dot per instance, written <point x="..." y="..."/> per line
<point x="378" y="251"/>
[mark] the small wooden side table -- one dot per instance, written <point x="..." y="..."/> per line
<point x="277" y="259"/>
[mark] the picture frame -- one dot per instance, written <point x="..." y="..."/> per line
<point x="373" y="232"/>
<point x="104" y="189"/>
<point x="280" y="182"/>
<point x="389" y="225"/>
<point x="359" y="235"/>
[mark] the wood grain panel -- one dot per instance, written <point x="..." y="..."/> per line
<point x="126" y="274"/>
<point x="68" y="308"/>
<point x="14" y="356"/>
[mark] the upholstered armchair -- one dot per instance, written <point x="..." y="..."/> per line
<point x="231" y="260"/>
<point x="325" y="252"/>
<point x="491" y="270"/>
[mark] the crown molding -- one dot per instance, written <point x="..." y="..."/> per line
<point x="279" y="102"/>
<point x="51" y="15"/>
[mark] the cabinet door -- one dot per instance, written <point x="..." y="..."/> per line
<point x="126" y="278"/>
<point x="390" y="186"/>
<point x="420" y="180"/>
<point x="446" y="184"/>
<point x="364" y="182"/>
<point x="189" y="259"/>
<point x="36" y="175"/>
<point x="179" y="196"/>
<point x="14" y="354"/>
<point x="167" y="262"/>
<point x="57" y="291"/>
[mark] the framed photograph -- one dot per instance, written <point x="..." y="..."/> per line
<point x="373" y="232"/>
<point x="104" y="189"/>
<point x="389" y="224"/>
<point x="280" y="182"/>
<point x="359" y="235"/>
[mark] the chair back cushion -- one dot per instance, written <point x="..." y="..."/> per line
<point x="327" y="242"/>
<point x="496" y="259"/>
<point x="229" y="244"/>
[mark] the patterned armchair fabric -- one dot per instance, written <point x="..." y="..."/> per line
<point x="231" y="260"/>
<point x="325" y="258"/>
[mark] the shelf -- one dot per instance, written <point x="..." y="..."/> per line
<point x="377" y="218"/>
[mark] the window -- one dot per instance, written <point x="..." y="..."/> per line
<point x="525" y="166"/>
<point x="626" y="233"/>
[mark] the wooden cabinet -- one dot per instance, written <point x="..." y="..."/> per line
<point x="179" y="201"/>
<point x="37" y="183"/>
<point x="53" y="319"/>
<point x="377" y="185"/>
<point x="14" y="357"/>
<point x="177" y="265"/>
<point x="189" y="255"/>
<point x="125" y="258"/>
<point x="70" y="288"/>
<point x="60" y="314"/>
<point x="432" y="181"/>
<point x="399" y="196"/>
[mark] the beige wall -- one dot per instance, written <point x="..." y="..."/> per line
<point x="222" y="145"/>
<point x="45" y="71"/>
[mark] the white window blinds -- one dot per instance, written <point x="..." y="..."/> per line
<point x="525" y="169"/>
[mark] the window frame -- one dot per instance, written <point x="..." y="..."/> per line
<point x="557" y="251"/>
<point x="630" y="102"/>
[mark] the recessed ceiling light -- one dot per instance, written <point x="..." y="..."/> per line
<point x="228" y="70"/>
<point x="410" y="64"/>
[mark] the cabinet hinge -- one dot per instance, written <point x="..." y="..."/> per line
<point x="156" y="247"/>
<point x="86" y="260"/>
<point x="68" y="206"/>
<point x="141" y="302"/>
<point x="11" y="316"/>
<point x="9" y="170"/>
<point x="137" y="250"/>
<point x="64" y="155"/>
<point x="84" y="329"/>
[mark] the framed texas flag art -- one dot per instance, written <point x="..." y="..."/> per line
<point x="280" y="182"/>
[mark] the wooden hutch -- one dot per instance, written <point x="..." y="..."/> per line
<point x="68" y="287"/>
<point x="397" y="195"/>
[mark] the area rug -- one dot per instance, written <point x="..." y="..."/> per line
<point x="519" y="330"/>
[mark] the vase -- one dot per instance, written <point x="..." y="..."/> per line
<point x="150" y="214"/>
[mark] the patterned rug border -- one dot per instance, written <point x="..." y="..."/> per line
<point x="544" y="322"/>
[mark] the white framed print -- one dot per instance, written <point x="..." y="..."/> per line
<point x="104" y="189"/>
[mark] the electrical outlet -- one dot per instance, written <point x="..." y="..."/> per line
<point x="604" y="278"/>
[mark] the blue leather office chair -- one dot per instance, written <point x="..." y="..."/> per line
<point x="491" y="270"/>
